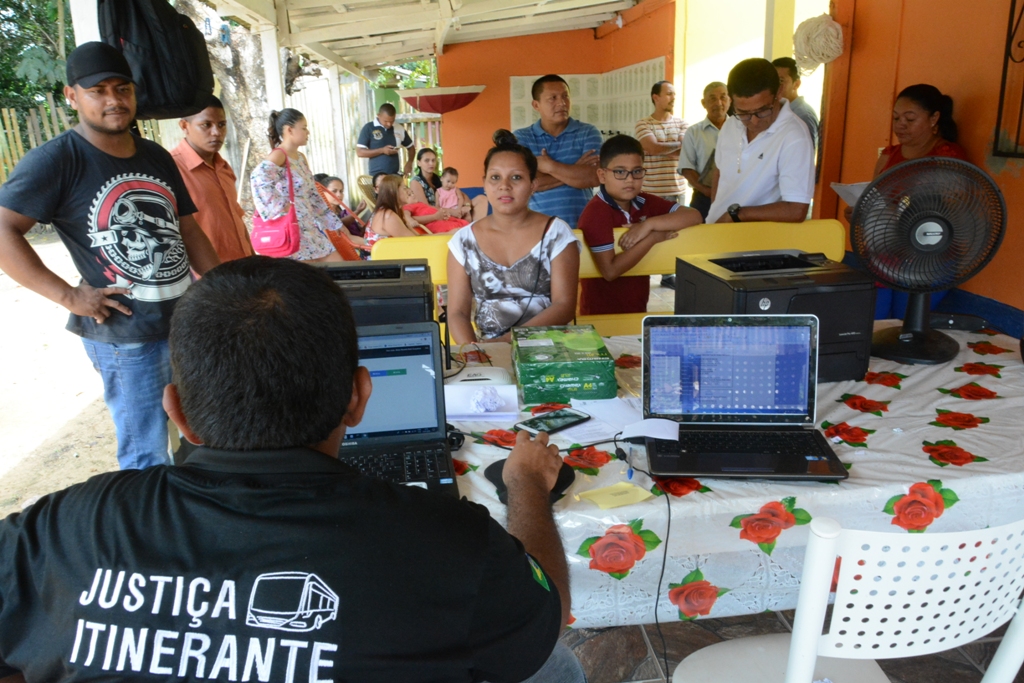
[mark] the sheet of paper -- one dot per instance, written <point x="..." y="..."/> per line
<point x="617" y="495"/>
<point x="654" y="427"/>
<point x="850" y="192"/>
<point x="458" y="402"/>
<point x="616" y="412"/>
<point x="591" y="431"/>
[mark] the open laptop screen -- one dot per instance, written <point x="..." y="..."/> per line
<point x="403" y="369"/>
<point x="731" y="369"/>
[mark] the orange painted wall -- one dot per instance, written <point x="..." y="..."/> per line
<point x="466" y="133"/>
<point x="957" y="48"/>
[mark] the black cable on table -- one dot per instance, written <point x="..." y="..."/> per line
<point x="621" y="455"/>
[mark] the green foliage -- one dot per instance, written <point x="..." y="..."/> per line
<point x="421" y="74"/>
<point x="30" y="61"/>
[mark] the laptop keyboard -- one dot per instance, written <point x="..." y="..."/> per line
<point x="403" y="465"/>
<point x="777" y="443"/>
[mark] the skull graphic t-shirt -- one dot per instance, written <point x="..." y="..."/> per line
<point x="119" y="219"/>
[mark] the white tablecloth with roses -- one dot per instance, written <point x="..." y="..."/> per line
<point x="929" y="448"/>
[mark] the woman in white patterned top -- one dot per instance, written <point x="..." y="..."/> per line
<point x="269" y="182"/>
<point x="516" y="266"/>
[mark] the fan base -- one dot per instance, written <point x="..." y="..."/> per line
<point x="929" y="347"/>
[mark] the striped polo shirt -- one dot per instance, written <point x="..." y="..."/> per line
<point x="661" y="178"/>
<point x="563" y="201"/>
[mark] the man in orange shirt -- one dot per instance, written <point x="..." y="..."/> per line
<point x="211" y="182"/>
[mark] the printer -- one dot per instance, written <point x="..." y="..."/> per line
<point x="787" y="281"/>
<point x="386" y="292"/>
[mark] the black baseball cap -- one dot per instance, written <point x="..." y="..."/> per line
<point x="91" y="63"/>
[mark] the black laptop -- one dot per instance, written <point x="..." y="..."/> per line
<point x="403" y="437"/>
<point x="742" y="388"/>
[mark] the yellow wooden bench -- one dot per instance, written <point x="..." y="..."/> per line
<point x="825" y="236"/>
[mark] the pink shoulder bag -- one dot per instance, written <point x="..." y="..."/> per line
<point x="278" y="237"/>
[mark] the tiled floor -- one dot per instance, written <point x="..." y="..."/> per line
<point x="635" y="653"/>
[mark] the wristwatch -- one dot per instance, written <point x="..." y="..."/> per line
<point x="734" y="212"/>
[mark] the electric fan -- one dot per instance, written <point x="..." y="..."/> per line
<point x="924" y="226"/>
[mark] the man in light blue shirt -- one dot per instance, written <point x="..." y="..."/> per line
<point x="566" y="149"/>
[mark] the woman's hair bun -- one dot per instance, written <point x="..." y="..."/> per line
<point x="504" y="138"/>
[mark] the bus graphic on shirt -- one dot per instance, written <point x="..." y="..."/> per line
<point x="291" y="601"/>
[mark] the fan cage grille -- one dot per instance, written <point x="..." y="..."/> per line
<point x="947" y="191"/>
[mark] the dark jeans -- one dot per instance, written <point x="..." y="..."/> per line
<point x="701" y="202"/>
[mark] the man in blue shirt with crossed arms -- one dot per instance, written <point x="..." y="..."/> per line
<point x="566" y="150"/>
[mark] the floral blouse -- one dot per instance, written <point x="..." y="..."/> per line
<point x="270" y="195"/>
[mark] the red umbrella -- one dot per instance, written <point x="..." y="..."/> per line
<point x="441" y="100"/>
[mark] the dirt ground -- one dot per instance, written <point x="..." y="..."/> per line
<point x="54" y="427"/>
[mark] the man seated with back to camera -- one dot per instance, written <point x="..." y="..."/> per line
<point x="263" y="556"/>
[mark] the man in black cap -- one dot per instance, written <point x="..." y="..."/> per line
<point x="120" y="207"/>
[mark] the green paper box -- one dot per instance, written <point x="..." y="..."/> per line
<point x="555" y="364"/>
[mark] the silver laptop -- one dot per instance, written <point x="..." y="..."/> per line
<point x="742" y="388"/>
<point x="403" y="434"/>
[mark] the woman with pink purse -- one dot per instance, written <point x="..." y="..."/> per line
<point x="291" y="217"/>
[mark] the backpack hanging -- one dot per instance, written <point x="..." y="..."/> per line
<point x="167" y="54"/>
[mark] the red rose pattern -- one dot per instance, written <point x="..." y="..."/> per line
<point x="617" y="551"/>
<point x="587" y="458"/>
<point x="678" y="486"/>
<point x="694" y="599"/>
<point x="886" y="379"/>
<point x="847" y="433"/>
<point x="628" y="361"/>
<point x="973" y="392"/>
<point x="865" y="405"/>
<point x="958" y="420"/>
<point x="461" y="467"/>
<point x="980" y="369"/>
<point x="547" y="408"/>
<point x="766" y="525"/>
<point x="919" y="508"/>
<point x="984" y="348"/>
<point x="500" y="437"/>
<point x="951" y="455"/>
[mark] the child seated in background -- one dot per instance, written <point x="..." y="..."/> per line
<point x="452" y="198"/>
<point x="619" y="202"/>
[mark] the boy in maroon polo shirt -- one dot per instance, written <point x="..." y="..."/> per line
<point x="619" y="202"/>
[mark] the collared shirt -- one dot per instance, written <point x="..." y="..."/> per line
<point x="374" y="136"/>
<point x="213" y="191"/>
<point x="602" y="215"/>
<point x="661" y="178"/>
<point x="777" y="165"/>
<point x="698" y="146"/>
<point x="242" y="551"/>
<point x="807" y="115"/>
<point x="563" y="201"/>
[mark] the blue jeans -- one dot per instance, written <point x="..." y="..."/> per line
<point x="134" y="377"/>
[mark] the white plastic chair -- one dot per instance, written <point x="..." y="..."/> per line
<point x="899" y="595"/>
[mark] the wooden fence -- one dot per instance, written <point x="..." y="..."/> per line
<point x="42" y="123"/>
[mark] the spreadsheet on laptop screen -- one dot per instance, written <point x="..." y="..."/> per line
<point x="404" y="397"/>
<point x="734" y="370"/>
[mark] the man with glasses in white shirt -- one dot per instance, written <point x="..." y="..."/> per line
<point x="765" y="156"/>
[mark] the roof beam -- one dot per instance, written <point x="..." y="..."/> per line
<point x="324" y="52"/>
<point x="307" y="4"/>
<point x="401" y="53"/>
<point x="548" y="13"/>
<point x="362" y="42"/>
<point x="394" y="24"/>
<point x="258" y="12"/>
<point x="520" y="28"/>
